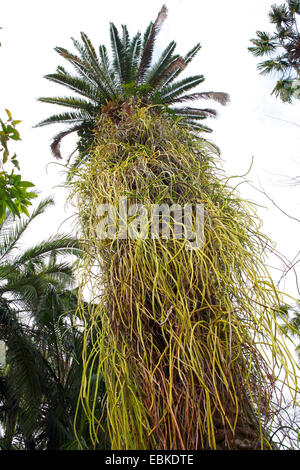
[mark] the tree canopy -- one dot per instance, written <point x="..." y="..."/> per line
<point x="110" y="85"/>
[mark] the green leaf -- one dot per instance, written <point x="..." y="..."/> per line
<point x="31" y="195"/>
<point x="2" y="211"/>
<point x="13" y="208"/>
<point x="24" y="210"/>
<point x="8" y="113"/>
<point x="16" y="163"/>
<point x="5" y="156"/>
<point x="26" y="184"/>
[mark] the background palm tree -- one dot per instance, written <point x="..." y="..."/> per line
<point x="292" y="325"/>
<point x="282" y="49"/>
<point x="108" y="86"/>
<point x="40" y="383"/>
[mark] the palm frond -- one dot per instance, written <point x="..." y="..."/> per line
<point x="192" y="53"/>
<point x="194" y="125"/>
<point x="294" y="6"/>
<point x="177" y="64"/>
<point x="165" y="59"/>
<point x="263" y="44"/>
<point x="279" y="15"/>
<point x="85" y="68"/>
<point x="277" y="64"/>
<point x="195" y="113"/>
<point x="134" y="54"/>
<point x="65" y="117"/>
<point x="219" y="97"/>
<point x="127" y="57"/>
<point x="78" y="85"/>
<point x="118" y="53"/>
<point x="149" y="41"/>
<point x="92" y="59"/>
<point x="107" y="72"/>
<point x="70" y="102"/>
<point x="170" y="92"/>
<point x="61" y="244"/>
<point x="55" y="145"/>
<point x="187" y="59"/>
<point x="15" y="231"/>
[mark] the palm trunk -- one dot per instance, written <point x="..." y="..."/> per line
<point x="173" y="330"/>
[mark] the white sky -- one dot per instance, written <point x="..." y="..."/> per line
<point x="248" y="126"/>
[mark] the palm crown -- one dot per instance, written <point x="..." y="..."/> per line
<point x="104" y="85"/>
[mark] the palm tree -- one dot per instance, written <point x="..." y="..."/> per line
<point x="106" y="86"/>
<point x="40" y="384"/>
<point x="178" y="343"/>
<point x="292" y="325"/>
<point x="282" y="49"/>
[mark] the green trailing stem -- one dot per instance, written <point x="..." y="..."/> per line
<point x="186" y="340"/>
